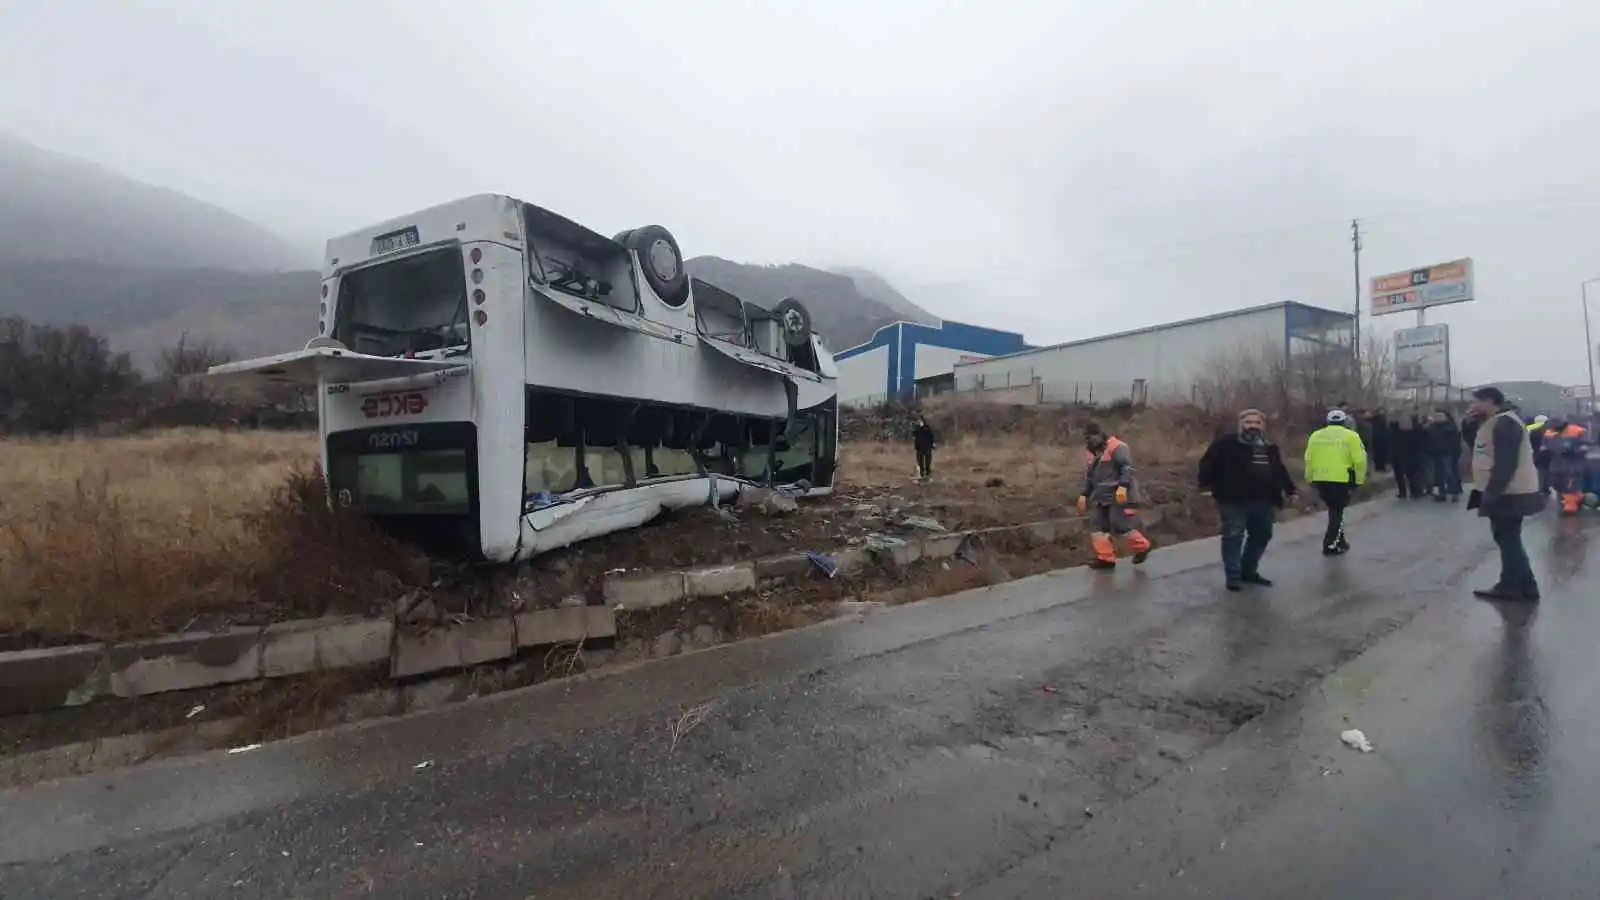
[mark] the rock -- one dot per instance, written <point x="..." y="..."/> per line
<point x="574" y="600"/>
<point x="705" y="636"/>
<point x="668" y="644"/>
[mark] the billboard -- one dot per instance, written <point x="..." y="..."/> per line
<point x="1437" y="285"/>
<point x="1422" y="356"/>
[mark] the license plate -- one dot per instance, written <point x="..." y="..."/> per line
<point x="395" y="240"/>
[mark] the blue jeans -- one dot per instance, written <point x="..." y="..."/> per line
<point x="1246" y="531"/>
<point x="1447" y="474"/>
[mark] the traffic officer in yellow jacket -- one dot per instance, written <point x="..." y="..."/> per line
<point x="1110" y="496"/>
<point x="1336" y="464"/>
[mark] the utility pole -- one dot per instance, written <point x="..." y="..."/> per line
<point x="1355" y="244"/>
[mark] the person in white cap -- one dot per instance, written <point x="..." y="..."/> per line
<point x="1336" y="464"/>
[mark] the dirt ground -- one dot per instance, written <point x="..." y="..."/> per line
<point x="118" y="537"/>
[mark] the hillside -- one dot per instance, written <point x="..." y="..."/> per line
<point x="141" y="264"/>
<point x="843" y="308"/>
<point x="57" y="207"/>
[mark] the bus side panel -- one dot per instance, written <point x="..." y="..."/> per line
<point x="498" y="394"/>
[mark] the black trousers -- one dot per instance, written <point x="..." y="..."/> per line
<point x="1408" y="480"/>
<point x="1516" y="571"/>
<point x="924" y="462"/>
<point x="1337" y="498"/>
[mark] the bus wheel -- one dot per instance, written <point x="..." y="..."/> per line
<point x="795" y="320"/>
<point x="662" y="263"/>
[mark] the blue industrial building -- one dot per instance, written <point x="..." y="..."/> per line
<point x="906" y="358"/>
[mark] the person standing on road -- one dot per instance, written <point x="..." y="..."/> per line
<point x="1506" y="490"/>
<point x="1245" y="474"/>
<point x="1405" y="452"/>
<point x="1568" y="447"/>
<point x="1378" y="424"/>
<point x="1444" y="445"/>
<point x="1336" y="464"/>
<point x="1541" y="457"/>
<point x="922" y="439"/>
<point x="1110" y="488"/>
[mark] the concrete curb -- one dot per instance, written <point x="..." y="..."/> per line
<point x="51" y="678"/>
<point x="36" y="680"/>
<point x="657" y="589"/>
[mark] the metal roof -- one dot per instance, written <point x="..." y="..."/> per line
<point x="1249" y="310"/>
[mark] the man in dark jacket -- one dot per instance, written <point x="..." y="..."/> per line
<point x="922" y="440"/>
<point x="1406" y="454"/>
<point x="1244" y="472"/>
<point x="1444" y="446"/>
<point x="1378" y="426"/>
<point x="1506" y="490"/>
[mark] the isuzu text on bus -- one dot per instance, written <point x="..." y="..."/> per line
<point x="494" y="377"/>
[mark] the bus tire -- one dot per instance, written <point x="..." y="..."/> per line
<point x="662" y="263"/>
<point x="795" y="321"/>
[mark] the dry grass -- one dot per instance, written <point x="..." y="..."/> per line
<point x="113" y="536"/>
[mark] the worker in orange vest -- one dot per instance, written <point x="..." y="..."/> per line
<point x="1110" y="495"/>
<point x="1568" y="446"/>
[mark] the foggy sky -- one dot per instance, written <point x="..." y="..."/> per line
<point x="1062" y="168"/>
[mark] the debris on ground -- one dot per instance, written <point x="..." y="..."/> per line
<point x="1356" y="740"/>
<point x="823" y="564"/>
<point x="245" y="749"/>
<point x="882" y="543"/>
<point x="923" y="523"/>
<point x="425" y="764"/>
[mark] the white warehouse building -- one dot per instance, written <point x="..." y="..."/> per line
<point x="1168" y="363"/>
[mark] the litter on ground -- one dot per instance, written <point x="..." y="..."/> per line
<point x="1356" y="740"/>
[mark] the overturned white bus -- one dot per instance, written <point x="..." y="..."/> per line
<point x="494" y="377"/>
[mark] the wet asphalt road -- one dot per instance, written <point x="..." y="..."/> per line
<point x="1137" y="734"/>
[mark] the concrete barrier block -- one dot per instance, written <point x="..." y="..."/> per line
<point x="906" y="554"/>
<point x="452" y="647"/>
<point x="719" y="581"/>
<point x="50" y="678"/>
<point x="789" y="565"/>
<point x="942" y="547"/>
<point x="183" y="662"/>
<point x="644" y="591"/>
<point x="541" y="627"/>
<point x="851" y="559"/>
<point x="294" y="648"/>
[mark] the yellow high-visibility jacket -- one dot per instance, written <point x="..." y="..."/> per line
<point x="1334" y="455"/>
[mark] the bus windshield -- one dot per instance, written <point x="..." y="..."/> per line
<point x="409" y="305"/>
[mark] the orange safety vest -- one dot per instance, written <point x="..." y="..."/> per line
<point x="1112" y="443"/>
<point x="1571" y="431"/>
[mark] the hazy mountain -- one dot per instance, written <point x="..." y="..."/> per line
<point x="841" y="310"/>
<point x="142" y="264"/>
<point x="55" y="207"/>
<point x="874" y="287"/>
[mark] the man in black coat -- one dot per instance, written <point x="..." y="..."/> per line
<point x="1378" y="427"/>
<point x="1406" y="453"/>
<point x="922" y="439"/>
<point x="1244" y="472"/>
